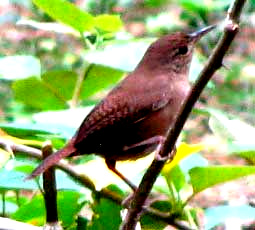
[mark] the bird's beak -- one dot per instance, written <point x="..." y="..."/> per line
<point x="198" y="34"/>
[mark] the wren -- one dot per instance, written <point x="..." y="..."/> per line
<point x="132" y="120"/>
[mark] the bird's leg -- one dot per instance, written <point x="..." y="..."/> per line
<point x="111" y="165"/>
<point x="159" y="140"/>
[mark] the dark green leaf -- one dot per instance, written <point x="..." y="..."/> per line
<point x="105" y="210"/>
<point x="34" y="211"/>
<point x="151" y="222"/>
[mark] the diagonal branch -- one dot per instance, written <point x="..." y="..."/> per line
<point x="85" y="181"/>
<point x="213" y="64"/>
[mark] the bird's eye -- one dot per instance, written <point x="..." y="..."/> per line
<point x="182" y="50"/>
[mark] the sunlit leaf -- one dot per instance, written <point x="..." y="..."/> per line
<point x="205" y="177"/>
<point x="19" y="67"/>
<point x="183" y="151"/>
<point x="203" y="5"/>
<point x="14" y="180"/>
<point x="247" y="151"/>
<point x="61" y="83"/>
<point x="62" y="117"/>
<point x="20" y="140"/>
<point x="220" y="214"/>
<point x="4" y="157"/>
<point x="230" y="129"/>
<point x="67" y="13"/>
<point x="48" y="26"/>
<point x="174" y="176"/>
<point x="122" y="55"/>
<point x="98" y="78"/>
<point x="33" y="92"/>
<point x="108" y="22"/>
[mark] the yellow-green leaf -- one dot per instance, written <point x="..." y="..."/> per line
<point x="109" y="23"/>
<point x="67" y="13"/>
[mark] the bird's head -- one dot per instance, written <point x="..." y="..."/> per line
<point x="172" y="52"/>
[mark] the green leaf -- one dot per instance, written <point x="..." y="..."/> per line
<point x="219" y="214"/>
<point x="57" y="87"/>
<point x="52" y="92"/>
<point x="34" y="211"/>
<point x="98" y="78"/>
<point x="67" y="13"/>
<point x="244" y="150"/>
<point x="69" y="204"/>
<point x="203" y="5"/>
<point x="19" y="67"/>
<point x="61" y="83"/>
<point x="34" y="93"/>
<point x="122" y="55"/>
<point x="109" y="23"/>
<point x="175" y="176"/>
<point x="151" y="222"/>
<point x="13" y="180"/>
<point x="230" y="129"/>
<point x="49" y="26"/>
<point x="105" y="210"/>
<point x="29" y="130"/>
<point x="62" y="117"/>
<point x="9" y="207"/>
<point x="206" y="177"/>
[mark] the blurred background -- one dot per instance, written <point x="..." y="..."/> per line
<point x="54" y="68"/>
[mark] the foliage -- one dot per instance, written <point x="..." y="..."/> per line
<point x="51" y="90"/>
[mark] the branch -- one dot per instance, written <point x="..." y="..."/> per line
<point x="85" y="181"/>
<point x="213" y="64"/>
<point x="49" y="187"/>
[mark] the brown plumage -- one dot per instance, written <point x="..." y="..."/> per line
<point x="132" y="120"/>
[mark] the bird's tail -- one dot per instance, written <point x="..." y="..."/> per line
<point x="51" y="160"/>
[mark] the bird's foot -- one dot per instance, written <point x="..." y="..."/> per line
<point x="126" y="202"/>
<point x="169" y="156"/>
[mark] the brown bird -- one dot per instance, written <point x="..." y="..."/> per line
<point x="132" y="120"/>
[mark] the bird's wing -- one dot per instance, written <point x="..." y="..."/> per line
<point x="121" y="108"/>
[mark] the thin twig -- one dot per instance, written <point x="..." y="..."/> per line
<point x="77" y="90"/>
<point x="213" y="64"/>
